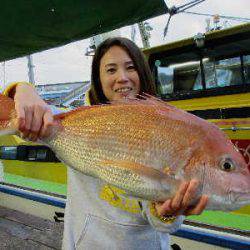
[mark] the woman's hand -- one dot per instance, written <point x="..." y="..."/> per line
<point x="182" y="202"/>
<point x="34" y="115"/>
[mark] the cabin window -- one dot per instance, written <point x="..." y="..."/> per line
<point x="38" y="154"/>
<point x="32" y="154"/>
<point x="177" y="77"/>
<point x="182" y="76"/>
<point x="222" y="73"/>
<point x="165" y="78"/>
<point x="186" y="75"/>
<point x="246" y="65"/>
<point x="27" y="153"/>
<point x="8" y="153"/>
<point x="41" y="154"/>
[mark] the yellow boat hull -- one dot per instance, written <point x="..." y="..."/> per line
<point x="48" y="171"/>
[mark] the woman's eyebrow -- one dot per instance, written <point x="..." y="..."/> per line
<point x="114" y="64"/>
<point x="129" y="62"/>
<point x="110" y="65"/>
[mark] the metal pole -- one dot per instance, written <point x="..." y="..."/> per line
<point x="4" y="75"/>
<point x="133" y="32"/>
<point x="30" y="68"/>
<point x="144" y="35"/>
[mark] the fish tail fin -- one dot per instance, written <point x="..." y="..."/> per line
<point x="8" y="122"/>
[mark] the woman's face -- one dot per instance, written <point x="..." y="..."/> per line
<point x="119" y="78"/>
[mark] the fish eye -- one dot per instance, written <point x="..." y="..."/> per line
<point x="227" y="165"/>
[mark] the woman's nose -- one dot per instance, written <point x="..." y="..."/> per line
<point x="122" y="76"/>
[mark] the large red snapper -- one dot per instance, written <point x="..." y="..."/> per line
<point x="147" y="147"/>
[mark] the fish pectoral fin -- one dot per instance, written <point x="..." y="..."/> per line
<point x="131" y="168"/>
<point x="126" y="171"/>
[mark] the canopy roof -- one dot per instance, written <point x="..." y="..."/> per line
<point x="29" y="26"/>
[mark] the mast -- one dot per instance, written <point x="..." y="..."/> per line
<point x="145" y="29"/>
<point x="30" y="69"/>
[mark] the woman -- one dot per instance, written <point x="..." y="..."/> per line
<point x="100" y="216"/>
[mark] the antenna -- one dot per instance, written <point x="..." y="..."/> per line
<point x="175" y="10"/>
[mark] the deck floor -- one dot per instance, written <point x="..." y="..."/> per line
<point x="24" y="231"/>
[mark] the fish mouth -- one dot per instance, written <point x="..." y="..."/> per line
<point x="241" y="198"/>
<point x="230" y="202"/>
<point x="123" y="90"/>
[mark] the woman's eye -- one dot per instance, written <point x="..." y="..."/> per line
<point x="131" y="67"/>
<point x="111" y="70"/>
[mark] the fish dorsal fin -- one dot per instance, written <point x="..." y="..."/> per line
<point x="141" y="100"/>
<point x="144" y="99"/>
<point x="153" y="100"/>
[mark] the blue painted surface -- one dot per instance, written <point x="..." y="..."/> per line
<point x="34" y="196"/>
<point x="213" y="238"/>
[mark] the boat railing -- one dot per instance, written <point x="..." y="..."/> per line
<point x="74" y="94"/>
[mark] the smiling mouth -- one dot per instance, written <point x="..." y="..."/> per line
<point x="123" y="90"/>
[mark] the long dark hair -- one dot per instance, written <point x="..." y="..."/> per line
<point x="96" y="94"/>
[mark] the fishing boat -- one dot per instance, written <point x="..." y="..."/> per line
<point x="209" y="76"/>
<point x="211" y="81"/>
